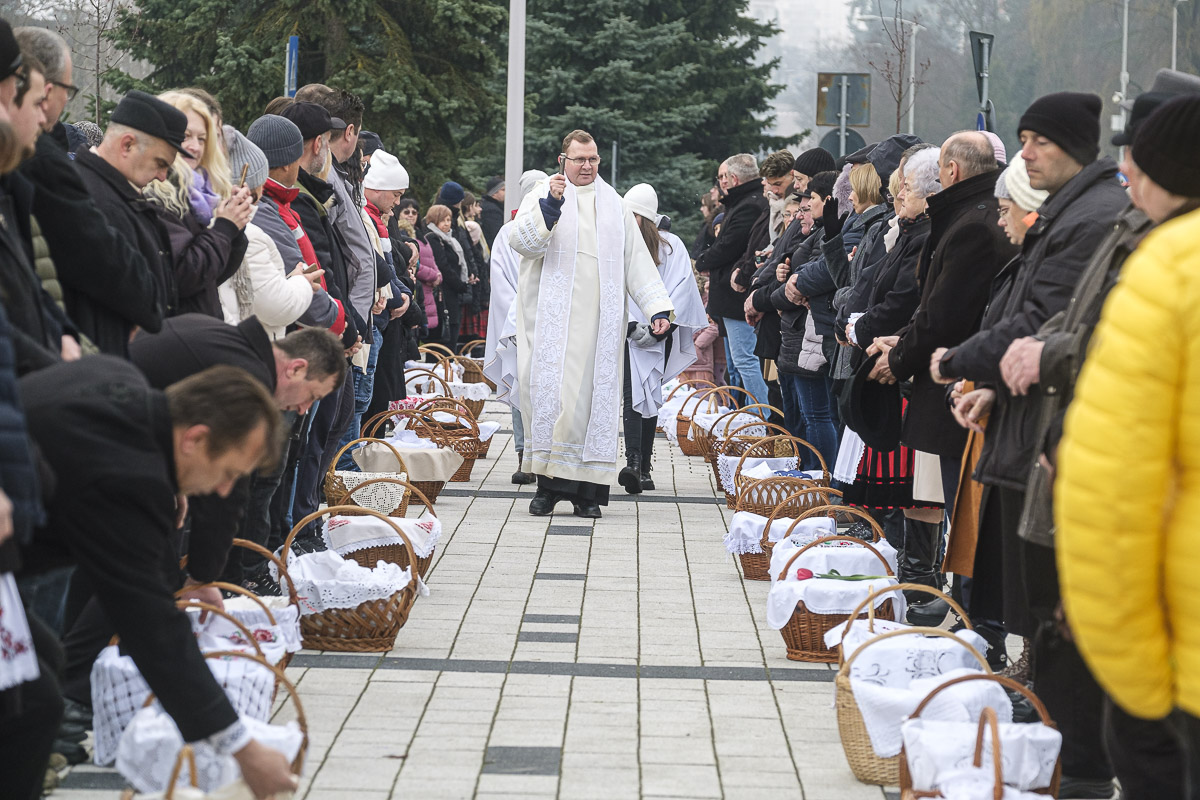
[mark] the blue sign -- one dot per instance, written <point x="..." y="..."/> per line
<point x="980" y="125"/>
<point x="290" y="66"/>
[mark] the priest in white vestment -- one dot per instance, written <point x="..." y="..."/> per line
<point x="650" y="360"/>
<point x="505" y="264"/>
<point x="582" y="256"/>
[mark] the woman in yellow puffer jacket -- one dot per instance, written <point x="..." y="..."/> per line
<point x="1127" y="497"/>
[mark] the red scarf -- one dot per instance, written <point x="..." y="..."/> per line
<point x="377" y="218"/>
<point x="283" y="198"/>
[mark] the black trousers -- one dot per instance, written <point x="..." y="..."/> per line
<point x="575" y="491"/>
<point x="29" y="718"/>
<point x="639" y="431"/>
<point x="330" y="421"/>
<point x="1154" y="758"/>
<point x="995" y="587"/>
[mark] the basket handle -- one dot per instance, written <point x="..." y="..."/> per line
<point x="772" y="431"/>
<point x="374" y="421"/>
<point x="718" y="393"/>
<point x="924" y="631"/>
<point x="898" y="587"/>
<point x="731" y="388"/>
<point x="368" y="439"/>
<point x="471" y="345"/>
<point x="237" y="623"/>
<point x="1007" y="683"/>
<point x="280" y="679"/>
<point x="349" y="495"/>
<point x="459" y="410"/>
<point x="988" y="721"/>
<point x="431" y="374"/>
<point x="851" y="510"/>
<point x="255" y="547"/>
<point x="230" y="587"/>
<point x="436" y="349"/>
<point x="744" y="410"/>
<point x="691" y="382"/>
<point x="816" y="490"/>
<point x="824" y="539"/>
<point x="332" y="510"/>
<point x="796" y="442"/>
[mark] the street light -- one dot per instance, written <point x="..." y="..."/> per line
<point x="1175" y="29"/>
<point x="514" y="120"/>
<point x="912" y="63"/>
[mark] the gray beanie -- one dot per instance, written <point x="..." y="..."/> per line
<point x="1001" y="190"/>
<point x="279" y="138"/>
<point x="244" y="152"/>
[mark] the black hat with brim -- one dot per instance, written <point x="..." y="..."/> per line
<point x="872" y="409"/>
<point x="10" y="51"/>
<point x="146" y="113"/>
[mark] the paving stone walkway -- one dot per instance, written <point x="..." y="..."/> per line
<point x="561" y="658"/>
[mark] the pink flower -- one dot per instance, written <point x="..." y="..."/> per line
<point x="803" y="574"/>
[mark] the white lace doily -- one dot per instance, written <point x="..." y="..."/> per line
<point x="721" y="428"/>
<point x="325" y="580"/>
<point x="746" y="530"/>
<point x="727" y="466"/>
<point x="382" y="497"/>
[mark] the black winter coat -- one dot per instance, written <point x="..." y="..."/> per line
<point x="793" y="317"/>
<point x="1057" y="249"/>
<point x="964" y="252"/>
<point x="189" y="344"/>
<point x="108" y="286"/>
<point x="893" y="293"/>
<point x="330" y="248"/>
<point x="107" y="437"/>
<point x="491" y="218"/>
<point x="18" y="472"/>
<point x="203" y="258"/>
<point x="37" y="322"/>
<point x="743" y="205"/>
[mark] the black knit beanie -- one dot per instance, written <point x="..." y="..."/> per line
<point x="1069" y="119"/>
<point x="810" y="162"/>
<point x="1164" y="146"/>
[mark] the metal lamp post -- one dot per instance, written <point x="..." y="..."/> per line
<point x="1175" y="29"/>
<point x="514" y="122"/>
<point x="912" y="63"/>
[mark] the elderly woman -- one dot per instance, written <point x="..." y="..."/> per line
<point x="204" y="216"/>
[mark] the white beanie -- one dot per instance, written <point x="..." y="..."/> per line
<point x="1016" y="181"/>
<point x="386" y="173"/>
<point x="531" y="178"/>
<point x="643" y="200"/>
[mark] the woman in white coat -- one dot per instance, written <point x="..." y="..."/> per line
<point x="650" y="360"/>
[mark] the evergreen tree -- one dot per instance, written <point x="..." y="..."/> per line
<point x="415" y="64"/>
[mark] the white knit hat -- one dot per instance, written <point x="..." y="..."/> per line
<point x="386" y="173"/>
<point x="1016" y="180"/>
<point x="643" y="200"/>
<point x="531" y="178"/>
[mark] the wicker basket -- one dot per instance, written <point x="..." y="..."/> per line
<point x="683" y="420"/>
<point x="804" y="633"/>
<point x="429" y="489"/>
<point x="989" y="718"/>
<point x="856" y="742"/>
<point x="773" y="447"/>
<point x="695" y="382"/>
<point x="393" y="553"/>
<point x="738" y="444"/>
<point x="868" y="767"/>
<point x="335" y="484"/>
<point x="466" y="350"/>
<point x="371" y="627"/>
<point x="451" y="404"/>
<point x="773" y="498"/>
<point x="461" y="436"/>
<point x="708" y="438"/>
<point x="428" y="374"/>
<point x="436" y="350"/>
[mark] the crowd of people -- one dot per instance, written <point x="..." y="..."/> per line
<point x="189" y="310"/>
<point x="932" y="318"/>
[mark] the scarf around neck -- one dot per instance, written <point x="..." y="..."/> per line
<point x="456" y="247"/>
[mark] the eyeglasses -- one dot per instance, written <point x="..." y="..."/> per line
<point x="68" y="88"/>
<point x="594" y="161"/>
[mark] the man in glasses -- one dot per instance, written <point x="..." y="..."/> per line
<point x="55" y="55"/>
<point x="582" y="258"/>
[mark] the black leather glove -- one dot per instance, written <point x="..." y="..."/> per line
<point x="830" y="221"/>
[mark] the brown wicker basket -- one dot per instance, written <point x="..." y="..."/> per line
<point x="773" y="498"/>
<point x="394" y="553"/>
<point x="371" y="627"/>
<point x="335" y="484"/>
<point x="436" y="350"/>
<point x="737" y="444"/>
<point x="461" y="436"/>
<point x="429" y="489"/>
<point x="708" y="437"/>
<point x="429" y="375"/>
<point x="452" y="404"/>
<point x="905" y="779"/>
<point x="470" y="347"/>
<point x="774" y="447"/>
<point x="804" y="634"/>
<point x="683" y="420"/>
<point x="866" y="766"/>
<point x="695" y="382"/>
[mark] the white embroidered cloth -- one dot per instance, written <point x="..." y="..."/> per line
<point x="402" y="437"/>
<point x="151" y="743"/>
<point x="938" y="751"/>
<point x="727" y="466"/>
<point x="925" y="666"/>
<point x="746" y="531"/>
<point x="119" y="691"/>
<point x="18" y="661"/>
<point x="974" y="783"/>
<point x="850" y="453"/>
<point x="846" y="557"/>
<point x="325" y="580"/>
<point x="721" y="428"/>
<point x="820" y="596"/>
<point x="430" y="388"/>
<point x="218" y="633"/>
<point x="382" y="497"/>
<point x="344" y="535"/>
<point x="250" y="614"/>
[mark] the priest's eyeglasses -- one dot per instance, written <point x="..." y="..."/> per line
<point x="594" y="161"/>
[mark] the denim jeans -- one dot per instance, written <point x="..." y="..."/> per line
<point x="739" y="347"/>
<point x="793" y="417"/>
<point x="364" y="384"/>
<point x="816" y="409"/>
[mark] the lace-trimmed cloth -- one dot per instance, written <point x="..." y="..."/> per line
<point x="823" y="596"/>
<point x="727" y="466"/>
<point x="382" y="497"/>
<point x="325" y="580"/>
<point x="846" y="557"/>
<point x="722" y="429"/>
<point x="346" y="534"/>
<point x="746" y="530"/>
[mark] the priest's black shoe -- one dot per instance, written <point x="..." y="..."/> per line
<point x="542" y="504"/>
<point x="587" y="509"/>
<point x="630" y="477"/>
<point x="647" y="479"/>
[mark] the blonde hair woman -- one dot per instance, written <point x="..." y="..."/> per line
<point x="201" y="179"/>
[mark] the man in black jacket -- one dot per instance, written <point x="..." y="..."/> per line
<point x="492" y="216"/>
<point x="141" y="143"/>
<point x="122" y="453"/>
<point x="1018" y="580"/>
<point x="744" y="203"/>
